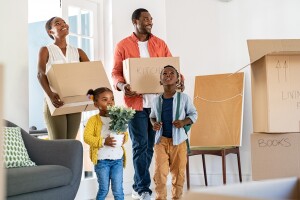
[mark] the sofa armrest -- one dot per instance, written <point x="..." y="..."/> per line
<point x="68" y="153"/>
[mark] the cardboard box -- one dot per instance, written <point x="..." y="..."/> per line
<point x="275" y="155"/>
<point x="143" y="74"/>
<point x="283" y="189"/>
<point x="219" y="100"/>
<point x="275" y="73"/>
<point x="71" y="81"/>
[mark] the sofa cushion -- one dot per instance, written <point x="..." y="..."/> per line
<point x="30" y="179"/>
<point x="15" y="152"/>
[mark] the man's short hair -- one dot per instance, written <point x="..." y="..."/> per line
<point x="137" y="13"/>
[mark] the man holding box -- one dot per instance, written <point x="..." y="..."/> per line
<point x="141" y="44"/>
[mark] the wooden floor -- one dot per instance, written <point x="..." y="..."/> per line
<point x="128" y="196"/>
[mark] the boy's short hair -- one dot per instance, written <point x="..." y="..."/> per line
<point x="171" y="67"/>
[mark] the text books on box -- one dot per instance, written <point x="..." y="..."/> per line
<point x="275" y="155"/>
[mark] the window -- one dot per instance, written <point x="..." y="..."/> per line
<point x="81" y="15"/>
<point x="81" y="30"/>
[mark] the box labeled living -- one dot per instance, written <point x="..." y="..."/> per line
<point x="143" y="74"/>
<point x="71" y="81"/>
<point x="275" y="155"/>
<point x="275" y="72"/>
<point x="219" y="99"/>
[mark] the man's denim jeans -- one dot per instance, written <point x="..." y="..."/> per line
<point x="107" y="170"/>
<point x="142" y="137"/>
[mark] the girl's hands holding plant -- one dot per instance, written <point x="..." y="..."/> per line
<point x="109" y="141"/>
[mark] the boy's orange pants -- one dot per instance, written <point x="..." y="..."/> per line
<point x="173" y="158"/>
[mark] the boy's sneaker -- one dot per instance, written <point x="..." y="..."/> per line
<point x="145" y="196"/>
<point x="135" y="195"/>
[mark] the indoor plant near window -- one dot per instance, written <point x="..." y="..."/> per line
<point x="120" y="117"/>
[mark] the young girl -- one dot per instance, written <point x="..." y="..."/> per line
<point x="108" y="159"/>
<point x="170" y="147"/>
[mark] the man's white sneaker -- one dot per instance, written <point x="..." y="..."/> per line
<point x="145" y="196"/>
<point x="135" y="195"/>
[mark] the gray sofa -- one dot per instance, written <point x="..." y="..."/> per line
<point x="57" y="174"/>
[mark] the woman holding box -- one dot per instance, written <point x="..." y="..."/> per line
<point x="61" y="126"/>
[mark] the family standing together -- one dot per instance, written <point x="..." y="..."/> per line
<point x="154" y="128"/>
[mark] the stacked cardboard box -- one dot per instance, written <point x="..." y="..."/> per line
<point x="275" y="143"/>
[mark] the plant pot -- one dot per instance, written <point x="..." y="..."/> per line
<point x="119" y="139"/>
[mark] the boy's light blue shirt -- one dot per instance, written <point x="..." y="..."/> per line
<point x="186" y="109"/>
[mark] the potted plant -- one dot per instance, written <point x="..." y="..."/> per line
<point x="120" y="117"/>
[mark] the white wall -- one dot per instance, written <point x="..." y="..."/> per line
<point x="210" y="38"/>
<point x="14" y="56"/>
<point x="14" y="78"/>
<point x="42" y="10"/>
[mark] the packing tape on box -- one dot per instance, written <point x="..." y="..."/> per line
<point x="240" y="69"/>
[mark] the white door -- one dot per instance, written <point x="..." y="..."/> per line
<point x="82" y="17"/>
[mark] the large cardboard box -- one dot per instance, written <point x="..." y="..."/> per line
<point x="283" y="189"/>
<point x="275" y="72"/>
<point x="71" y="81"/>
<point x="219" y="101"/>
<point x="275" y="155"/>
<point x="143" y="74"/>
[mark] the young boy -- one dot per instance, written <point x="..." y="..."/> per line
<point x="170" y="140"/>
